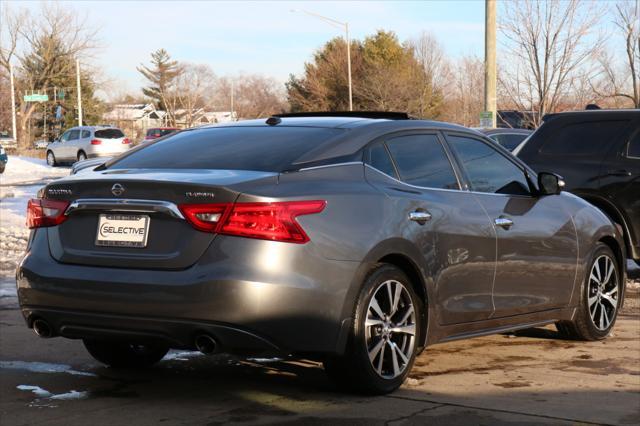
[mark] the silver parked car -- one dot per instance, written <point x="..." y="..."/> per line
<point x="80" y="143"/>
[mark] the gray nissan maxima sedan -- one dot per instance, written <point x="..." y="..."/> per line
<point x="355" y="239"/>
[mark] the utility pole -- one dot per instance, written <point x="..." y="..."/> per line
<point x="13" y="106"/>
<point x="489" y="65"/>
<point x="346" y="28"/>
<point x="79" y="92"/>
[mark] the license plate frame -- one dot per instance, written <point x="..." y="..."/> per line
<point x="113" y="229"/>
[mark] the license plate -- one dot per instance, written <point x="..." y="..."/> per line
<point x="122" y="230"/>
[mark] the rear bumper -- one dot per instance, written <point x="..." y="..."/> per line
<point x="176" y="333"/>
<point x="94" y="151"/>
<point x="252" y="295"/>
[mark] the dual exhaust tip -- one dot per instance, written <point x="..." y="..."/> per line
<point x="42" y="328"/>
<point x="204" y="343"/>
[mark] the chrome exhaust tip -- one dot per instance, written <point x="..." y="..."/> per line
<point x="42" y="328"/>
<point x="206" y="344"/>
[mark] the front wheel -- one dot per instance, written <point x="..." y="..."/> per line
<point x="601" y="296"/>
<point x="384" y="336"/>
<point x="125" y="354"/>
<point x="51" y="159"/>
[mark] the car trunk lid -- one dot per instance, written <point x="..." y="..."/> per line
<point x="116" y="198"/>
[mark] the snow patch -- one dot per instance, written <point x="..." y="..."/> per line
<point x="43" y="393"/>
<point x="22" y="169"/>
<point x="181" y="356"/>
<point x="43" y="367"/>
<point x="36" y="390"/>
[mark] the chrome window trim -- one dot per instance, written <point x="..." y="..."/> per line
<point x="125" y="205"/>
<point x="324" y="166"/>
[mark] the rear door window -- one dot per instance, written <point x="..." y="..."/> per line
<point x="583" y="138"/>
<point x="422" y="161"/>
<point x="509" y="140"/>
<point x="86" y="134"/>
<point x="379" y="159"/>
<point x="487" y="169"/>
<point x="270" y="149"/>
<point x="109" y="134"/>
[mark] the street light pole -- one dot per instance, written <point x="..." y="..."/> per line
<point x="344" y="26"/>
<point x="79" y="93"/>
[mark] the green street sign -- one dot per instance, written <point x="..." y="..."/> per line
<point x="36" y="98"/>
<point x="486" y="119"/>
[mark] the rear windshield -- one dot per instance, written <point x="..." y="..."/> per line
<point x="586" y="138"/>
<point x="156" y="133"/>
<point x="109" y="134"/>
<point x="269" y="149"/>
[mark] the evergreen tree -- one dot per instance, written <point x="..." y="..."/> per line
<point x="162" y="75"/>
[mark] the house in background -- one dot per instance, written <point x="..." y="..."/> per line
<point x="135" y="119"/>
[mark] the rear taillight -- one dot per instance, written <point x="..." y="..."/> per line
<point x="41" y="212"/>
<point x="267" y="221"/>
<point x="125" y="140"/>
<point x="96" y="142"/>
<point x="205" y="217"/>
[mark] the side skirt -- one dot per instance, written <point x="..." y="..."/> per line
<point x="440" y="334"/>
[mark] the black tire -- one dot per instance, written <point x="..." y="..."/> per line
<point x="2" y="166"/>
<point x="583" y="327"/>
<point x="353" y="370"/>
<point x="81" y="156"/>
<point x="51" y="159"/>
<point x="125" y="354"/>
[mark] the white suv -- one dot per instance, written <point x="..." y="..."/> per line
<point x="80" y="143"/>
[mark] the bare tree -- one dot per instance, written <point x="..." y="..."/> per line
<point x="430" y="54"/>
<point x="193" y="86"/>
<point x="623" y="83"/>
<point x="42" y="47"/>
<point x="254" y="96"/>
<point x="548" y="45"/>
<point x="464" y="98"/>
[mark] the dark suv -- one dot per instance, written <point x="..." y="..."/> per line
<point x="598" y="154"/>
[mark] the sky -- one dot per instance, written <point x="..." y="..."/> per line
<point x="263" y="37"/>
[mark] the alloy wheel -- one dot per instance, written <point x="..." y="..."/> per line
<point x="50" y="159"/>
<point x="602" y="292"/>
<point x="390" y="329"/>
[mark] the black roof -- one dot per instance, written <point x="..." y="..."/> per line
<point x="596" y="113"/>
<point x="389" y="115"/>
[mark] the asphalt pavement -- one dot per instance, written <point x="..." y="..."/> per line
<point x="530" y="377"/>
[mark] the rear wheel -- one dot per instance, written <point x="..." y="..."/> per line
<point x="51" y="159"/>
<point x="383" y="341"/>
<point x="82" y="156"/>
<point x="125" y="354"/>
<point x="601" y="295"/>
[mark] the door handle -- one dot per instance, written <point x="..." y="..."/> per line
<point x="420" y="216"/>
<point x="503" y="222"/>
<point x="622" y="172"/>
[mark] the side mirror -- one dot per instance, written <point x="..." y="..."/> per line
<point x="550" y="183"/>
